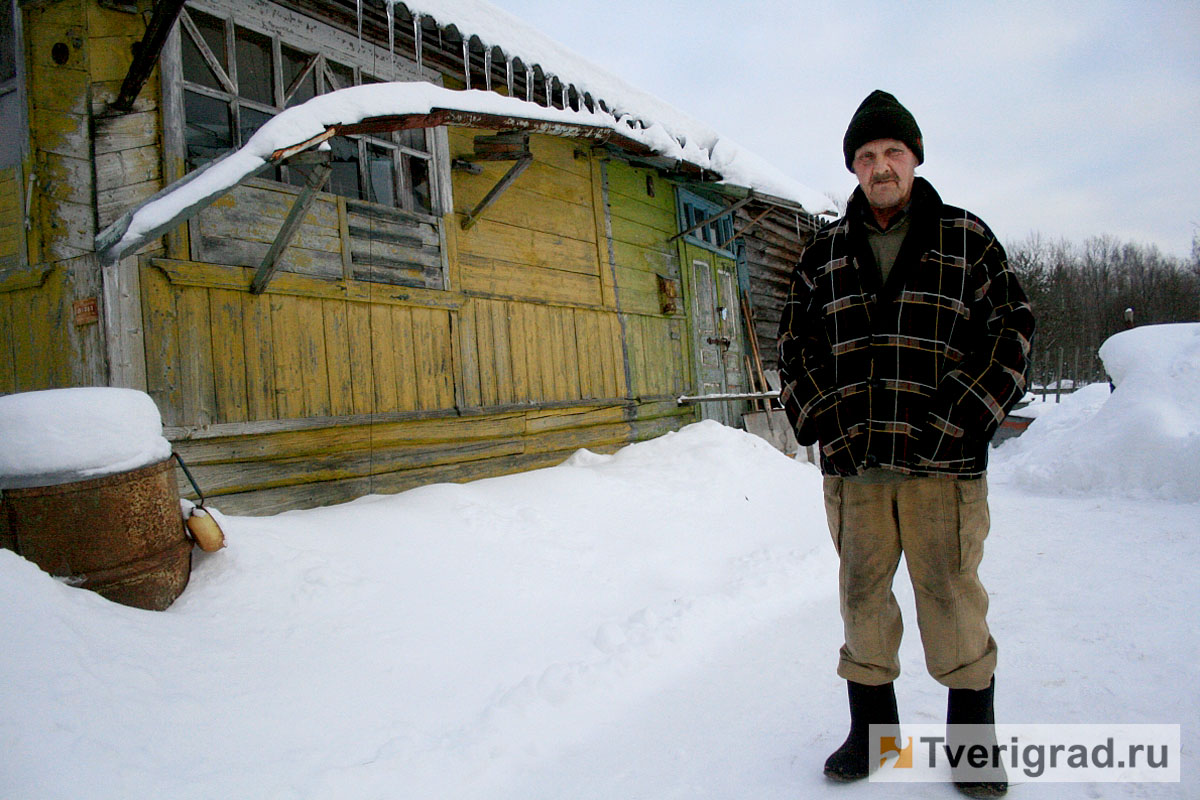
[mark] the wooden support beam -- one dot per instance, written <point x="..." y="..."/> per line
<point x="147" y="53"/>
<point x="713" y="218"/>
<point x="743" y="231"/>
<point x="513" y="173"/>
<point x="316" y="181"/>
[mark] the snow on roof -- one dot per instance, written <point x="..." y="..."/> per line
<point x="633" y="115"/>
<point x="497" y="28"/>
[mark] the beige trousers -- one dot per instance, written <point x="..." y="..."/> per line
<point x="939" y="524"/>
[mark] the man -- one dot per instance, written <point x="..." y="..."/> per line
<point x="904" y="342"/>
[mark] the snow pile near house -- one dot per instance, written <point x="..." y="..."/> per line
<point x="427" y="644"/>
<point x="1142" y="440"/>
<point x="60" y="435"/>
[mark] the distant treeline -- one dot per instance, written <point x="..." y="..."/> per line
<point x="1081" y="293"/>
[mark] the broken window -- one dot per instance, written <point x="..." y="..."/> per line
<point x="236" y="77"/>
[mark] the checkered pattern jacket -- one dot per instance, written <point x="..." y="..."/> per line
<point x="913" y="375"/>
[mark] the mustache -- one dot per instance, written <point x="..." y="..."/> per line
<point x="889" y="176"/>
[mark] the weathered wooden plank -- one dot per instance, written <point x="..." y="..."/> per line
<point x="566" y="319"/>
<point x="8" y="358"/>
<point x="502" y="358"/>
<point x="162" y="343"/>
<point x="645" y="259"/>
<point x="470" y="389"/>
<point x="550" y="355"/>
<point x="125" y="131"/>
<point x="403" y="353"/>
<point x="485" y="334"/>
<point x="584" y="352"/>
<point x="642" y="233"/>
<point x="616" y="341"/>
<point x="288" y="351"/>
<point x="337" y="356"/>
<point x="196" y="357"/>
<point x="519" y="345"/>
<point x="358" y="321"/>
<point x="523" y="207"/>
<point x="431" y="362"/>
<point x="121" y="168"/>
<point x="515" y="245"/>
<point x="258" y="334"/>
<point x="219" y="276"/>
<point x="229" y="355"/>
<point x="630" y="183"/>
<point x="242" y="445"/>
<point x="314" y="367"/>
<point x="56" y="89"/>
<point x="221" y="249"/>
<point x="522" y="282"/>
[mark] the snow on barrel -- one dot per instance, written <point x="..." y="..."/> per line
<point x="89" y="493"/>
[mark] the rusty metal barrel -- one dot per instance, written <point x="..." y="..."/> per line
<point x="120" y="535"/>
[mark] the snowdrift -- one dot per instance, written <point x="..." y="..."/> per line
<point x="1142" y="440"/>
<point x="415" y="645"/>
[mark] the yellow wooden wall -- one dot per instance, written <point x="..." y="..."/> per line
<point x="80" y="168"/>
<point x="549" y="337"/>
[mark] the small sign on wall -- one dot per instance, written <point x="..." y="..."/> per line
<point x="86" y="311"/>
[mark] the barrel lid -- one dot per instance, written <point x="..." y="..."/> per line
<point x="67" y="435"/>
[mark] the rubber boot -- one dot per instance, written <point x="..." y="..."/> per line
<point x="975" y="707"/>
<point x="868" y="705"/>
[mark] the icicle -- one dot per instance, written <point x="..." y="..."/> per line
<point x="418" y="38"/>
<point x="508" y="75"/>
<point x="528" y="84"/>
<point x="360" y="15"/>
<point x="487" y="68"/>
<point x="549" y="90"/>
<point x="391" y="19"/>
<point x="467" y="62"/>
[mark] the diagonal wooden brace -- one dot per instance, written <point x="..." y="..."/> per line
<point x="316" y="181"/>
<point x="513" y="173"/>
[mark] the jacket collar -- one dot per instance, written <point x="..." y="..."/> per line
<point x="924" y="208"/>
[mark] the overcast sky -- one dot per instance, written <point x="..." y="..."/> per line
<point x="1070" y="119"/>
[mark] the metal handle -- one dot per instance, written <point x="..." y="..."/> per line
<point x="191" y="480"/>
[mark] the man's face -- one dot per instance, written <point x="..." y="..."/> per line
<point x="884" y="169"/>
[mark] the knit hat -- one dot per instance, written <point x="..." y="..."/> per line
<point x="881" y="117"/>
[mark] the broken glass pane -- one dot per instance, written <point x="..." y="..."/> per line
<point x="381" y="175"/>
<point x="256" y="78"/>
<point x="342" y="74"/>
<point x="294" y="64"/>
<point x="344" y="179"/>
<point x="418" y="180"/>
<point x="8" y="42"/>
<point x="207" y="128"/>
<point x="250" y="120"/>
<point x="195" y="67"/>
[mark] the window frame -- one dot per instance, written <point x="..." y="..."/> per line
<point x="12" y="96"/>
<point x="692" y="209"/>
<point x="323" y="44"/>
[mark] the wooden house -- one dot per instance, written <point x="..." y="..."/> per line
<point x="445" y="298"/>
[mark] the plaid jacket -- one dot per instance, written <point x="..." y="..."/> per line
<point x="913" y="375"/>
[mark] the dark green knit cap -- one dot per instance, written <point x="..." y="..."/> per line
<point x="881" y="117"/>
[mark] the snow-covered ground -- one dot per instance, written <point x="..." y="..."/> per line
<point x="659" y="623"/>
